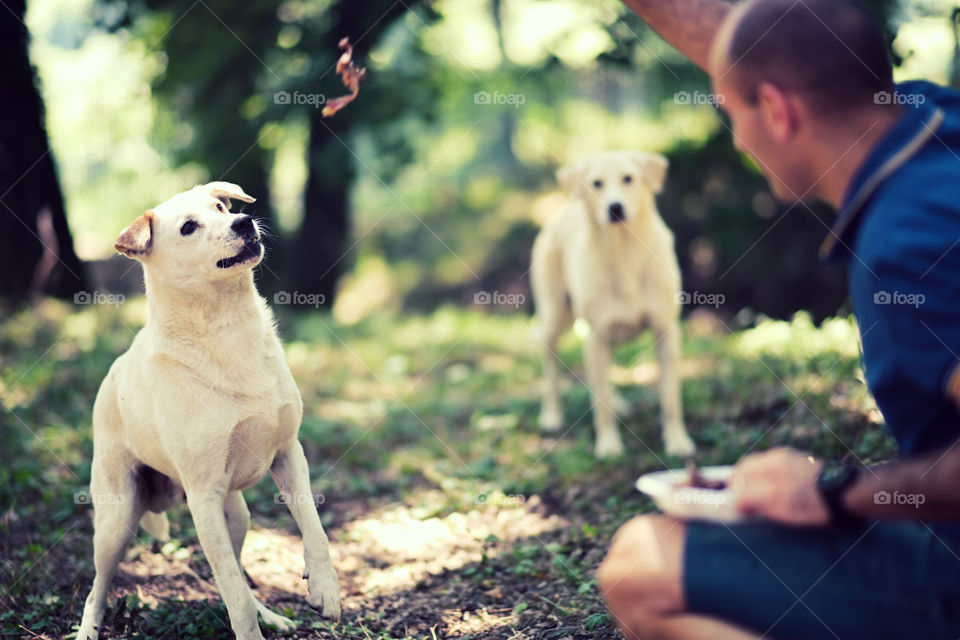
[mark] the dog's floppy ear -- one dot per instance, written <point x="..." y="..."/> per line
<point x="653" y="169"/>
<point x="224" y="191"/>
<point x="137" y="239"/>
<point x="569" y="178"/>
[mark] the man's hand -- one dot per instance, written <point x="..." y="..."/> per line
<point x="780" y="485"/>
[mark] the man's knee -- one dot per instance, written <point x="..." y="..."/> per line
<point x="642" y="570"/>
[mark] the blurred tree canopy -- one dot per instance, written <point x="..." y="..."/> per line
<point x="431" y="185"/>
<point x="234" y="73"/>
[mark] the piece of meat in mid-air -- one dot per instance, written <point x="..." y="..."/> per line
<point x="351" y="76"/>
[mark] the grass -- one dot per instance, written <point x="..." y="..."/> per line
<point x="450" y="515"/>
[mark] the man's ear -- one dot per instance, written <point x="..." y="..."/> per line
<point x="776" y="112"/>
<point x="137" y="239"/>
<point x="652" y="168"/>
<point x="569" y="178"/>
<point x="953" y="386"/>
<point x="224" y="191"/>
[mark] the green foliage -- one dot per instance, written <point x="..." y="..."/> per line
<point x="441" y="193"/>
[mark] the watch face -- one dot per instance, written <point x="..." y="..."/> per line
<point x="834" y="475"/>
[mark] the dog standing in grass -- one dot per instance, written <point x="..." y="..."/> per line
<point x="609" y="260"/>
<point x="201" y="406"/>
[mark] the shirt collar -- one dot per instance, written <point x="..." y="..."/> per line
<point x="902" y="142"/>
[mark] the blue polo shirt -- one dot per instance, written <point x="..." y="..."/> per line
<point x="899" y="233"/>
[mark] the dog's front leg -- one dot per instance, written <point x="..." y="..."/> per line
<point x="597" y="357"/>
<point x="676" y="440"/>
<point x="292" y="476"/>
<point x="207" y="507"/>
<point x="113" y="493"/>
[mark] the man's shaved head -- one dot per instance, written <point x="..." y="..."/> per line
<point x="830" y="53"/>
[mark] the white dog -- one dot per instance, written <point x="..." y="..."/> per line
<point x="202" y="405"/>
<point x="608" y="259"/>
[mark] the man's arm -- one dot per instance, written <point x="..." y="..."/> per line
<point x="781" y="485"/>
<point x="926" y="487"/>
<point x="689" y="25"/>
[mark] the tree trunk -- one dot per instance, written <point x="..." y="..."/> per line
<point x="36" y="250"/>
<point x="326" y="222"/>
<point x="321" y="254"/>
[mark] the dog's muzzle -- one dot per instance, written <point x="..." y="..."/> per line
<point x="243" y="226"/>
<point x="616" y="213"/>
<point x="252" y="250"/>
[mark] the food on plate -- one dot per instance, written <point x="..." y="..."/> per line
<point x="699" y="481"/>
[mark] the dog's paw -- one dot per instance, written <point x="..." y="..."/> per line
<point x="550" y="421"/>
<point x="87" y="633"/>
<point x="679" y="444"/>
<point x="282" y="623"/>
<point x="608" y="446"/>
<point x="324" y="593"/>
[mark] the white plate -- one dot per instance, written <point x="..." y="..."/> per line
<point x="690" y="503"/>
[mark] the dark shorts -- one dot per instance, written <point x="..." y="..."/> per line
<point x="884" y="580"/>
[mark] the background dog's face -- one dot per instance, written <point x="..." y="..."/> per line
<point x="616" y="186"/>
<point x="194" y="237"/>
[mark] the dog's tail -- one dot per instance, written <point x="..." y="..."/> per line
<point x="157" y="525"/>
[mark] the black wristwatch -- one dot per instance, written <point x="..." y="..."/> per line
<point x="834" y="480"/>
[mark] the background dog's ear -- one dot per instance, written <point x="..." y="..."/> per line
<point x="224" y="191"/>
<point x="653" y="169"/>
<point x="569" y="176"/>
<point x="137" y="239"/>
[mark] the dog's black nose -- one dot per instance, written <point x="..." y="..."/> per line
<point x="616" y="212"/>
<point x="243" y="226"/>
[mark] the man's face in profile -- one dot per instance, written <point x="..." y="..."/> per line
<point x="781" y="160"/>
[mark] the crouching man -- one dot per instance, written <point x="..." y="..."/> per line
<point x="837" y="551"/>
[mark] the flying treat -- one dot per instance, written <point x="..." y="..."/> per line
<point x="351" y="76"/>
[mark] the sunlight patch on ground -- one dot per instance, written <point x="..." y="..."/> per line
<point x="395" y="549"/>
<point x="274" y="559"/>
<point x="467" y="622"/>
<point x="799" y="337"/>
<point x="645" y="373"/>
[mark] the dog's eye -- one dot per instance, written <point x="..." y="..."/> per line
<point x="627" y="179"/>
<point x="188" y="227"/>
<point x="598" y="184"/>
<point x="220" y="207"/>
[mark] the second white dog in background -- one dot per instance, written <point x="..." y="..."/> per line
<point x="608" y="259"/>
